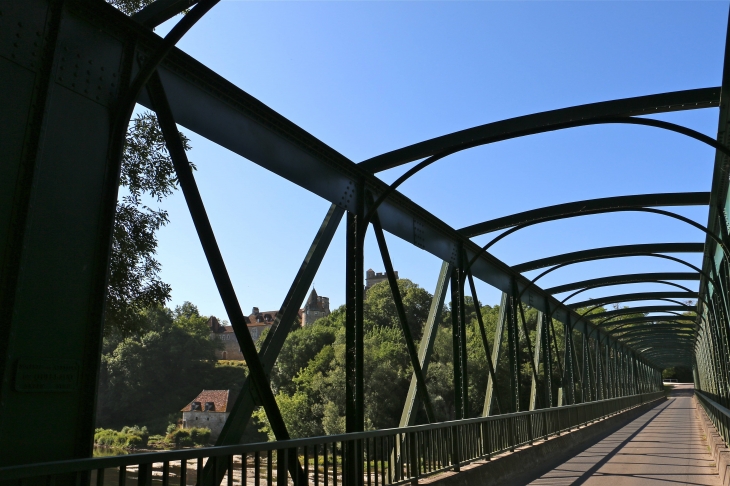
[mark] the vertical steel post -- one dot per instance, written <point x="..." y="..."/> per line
<point x="513" y="344"/>
<point x="547" y="365"/>
<point x="456" y="328"/>
<point x="462" y="336"/>
<point x="354" y="400"/>
<point x="585" y="384"/>
<point x="568" y="384"/>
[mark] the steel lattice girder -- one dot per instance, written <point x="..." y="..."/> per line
<point x="204" y="102"/>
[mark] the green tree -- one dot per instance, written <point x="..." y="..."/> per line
<point x="309" y="376"/>
<point x="380" y="310"/>
<point x="146" y="380"/>
<point x="130" y="7"/>
<point x="134" y="283"/>
<point x="301" y="346"/>
<point x="147" y="173"/>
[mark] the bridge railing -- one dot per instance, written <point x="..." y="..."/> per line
<point x="389" y="456"/>
<point x="718" y="414"/>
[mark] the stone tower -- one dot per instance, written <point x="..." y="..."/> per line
<point x="315" y="308"/>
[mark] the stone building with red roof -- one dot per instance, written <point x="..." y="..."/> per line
<point x="209" y="409"/>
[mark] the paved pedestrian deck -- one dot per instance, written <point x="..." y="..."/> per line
<point x="663" y="446"/>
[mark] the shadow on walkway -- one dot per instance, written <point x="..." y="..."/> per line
<point x="662" y="446"/>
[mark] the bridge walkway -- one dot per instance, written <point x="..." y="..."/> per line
<point x="663" y="446"/>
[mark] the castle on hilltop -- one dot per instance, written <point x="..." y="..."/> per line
<point x="315" y="308"/>
<point x="372" y="278"/>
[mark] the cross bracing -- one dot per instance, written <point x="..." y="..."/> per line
<point x="601" y="353"/>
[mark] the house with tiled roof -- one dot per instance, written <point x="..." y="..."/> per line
<point x="209" y="409"/>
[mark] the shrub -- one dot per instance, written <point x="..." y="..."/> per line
<point x="189" y="437"/>
<point x="180" y="437"/>
<point x="200" y="435"/>
<point x="128" y="438"/>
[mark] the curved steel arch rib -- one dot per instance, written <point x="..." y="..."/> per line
<point x="636" y="320"/>
<point x="659" y="327"/>
<point x="545" y="121"/>
<point x="714" y="237"/>
<point x="590" y="206"/>
<point x="634" y="297"/>
<point x="624" y="279"/>
<point x="610" y="252"/>
<point x="654" y="255"/>
<point x="659" y="338"/>
<point x="644" y="310"/>
<point x="667" y="348"/>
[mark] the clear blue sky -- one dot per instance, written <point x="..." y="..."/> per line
<point x="370" y="77"/>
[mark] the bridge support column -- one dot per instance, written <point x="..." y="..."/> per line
<point x="59" y="173"/>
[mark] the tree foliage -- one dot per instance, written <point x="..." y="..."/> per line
<point x="147" y="172"/>
<point x="147" y="379"/>
<point x="309" y="376"/>
<point x="130" y="7"/>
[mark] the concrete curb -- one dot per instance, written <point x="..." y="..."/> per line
<point x="543" y="455"/>
<point x="718" y="449"/>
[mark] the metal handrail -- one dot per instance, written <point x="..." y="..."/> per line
<point x="459" y="442"/>
<point x="718" y="414"/>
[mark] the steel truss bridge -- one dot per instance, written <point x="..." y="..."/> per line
<point x="71" y="73"/>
